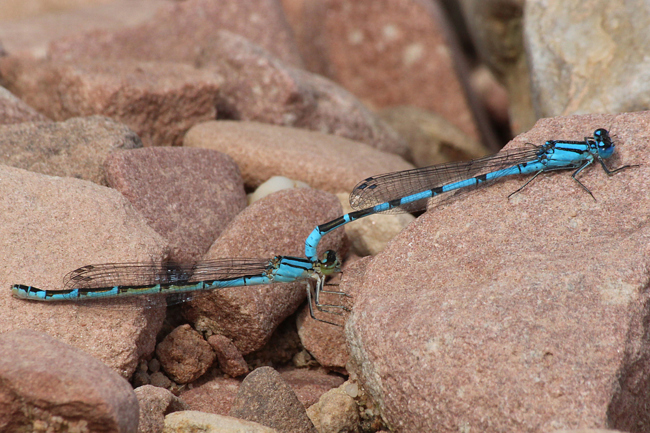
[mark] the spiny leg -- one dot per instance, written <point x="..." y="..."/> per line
<point x="311" y="310"/>
<point x="575" y="173"/>
<point x="524" y="185"/>
<point x="616" y="170"/>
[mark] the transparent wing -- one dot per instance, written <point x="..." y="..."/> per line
<point x="392" y="186"/>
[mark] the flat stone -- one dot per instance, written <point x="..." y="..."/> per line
<point x="183" y="31"/>
<point x="210" y="423"/>
<point x="187" y="195"/>
<point x="159" y="101"/>
<point x="51" y="384"/>
<point x="276" y="225"/>
<point x="154" y="404"/>
<point x="527" y="314"/>
<point x="264" y="397"/>
<point x="259" y="87"/>
<point x="56" y="225"/>
<point x="13" y="110"/>
<point x="262" y="151"/>
<point x="74" y="148"/>
<point x="184" y="354"/>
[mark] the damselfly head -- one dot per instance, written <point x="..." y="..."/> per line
<point x="330" y="262"/>
<point x="604" y="143"/>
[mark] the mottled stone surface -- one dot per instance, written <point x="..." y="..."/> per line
<point x="210" y="423"/>
<point x="184" y="354"/>
<point x="599" y="64"/>
<point x="159" y="101"/>
<point x="389" y="52"/>
<point x="431" y="138"/>
<point x="335" y="412"/>
<point x="324" y="341"/>
<point x="309" y="384"/>
<point x="13" y="110"/>
<point x="45" y="383"/>
<point x="230" y="359"/>
<point x="276" y="225"/>
<point x="74" y="148"/>
<point x="265" y="398"/>
<point x="184" y="31"/>
<point x="261" y="88"/>
<point x="154" y="404"/>
<point x="526" y="314"/>
<point x="54" y="225"/>
<point x="262" y="151"/>
<point x="497" y="32"/>
<point x="187" y="195"/>
<point x="214" y="396"/>
<point x="32" y="30"/>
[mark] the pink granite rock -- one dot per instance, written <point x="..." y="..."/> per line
<point x="527" y="314"/>
<point x="13" y="110"/>
<point x="264" y="397"/>
<point x="277" y="224"/>
<point x="309" y="384"/>
<point x="159" y="101"/>
<point x="49" y="385"/>
<point x="388" y="52"/>
<point x="230" y="359"/>
<point x="260" y="87"/>
<point x="54" y="225"/>
<point x="182" y="31"/>
<point x="214" y="396"/>
<point x="262" y="151"/>
<point x="154" y="404"/>
<point x="326" y="342"/>
<point x="74" y="148"/>
<point x="187" y="195"/>
<point x="184" y="354"/>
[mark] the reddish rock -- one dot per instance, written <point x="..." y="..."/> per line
<point x="32" y="34"/>
<point x="265" y="398"/>
<point x="48" y="383"/>
<point x="74" y="148"/>
<point x="55" y="225"/>
<point x="389" y="52"/>
<point x="187" y="195"/>
<point x="309" y="384"/>
<point x="230" y="359"/>
<point x="214" y="396"/>
<point x="13" y="110"/>
<point x="154" y="404"/>
<point x="262" y="151"/>
<point x="324" y="341"/>
<point x="159" y="101"/>
<point x="277" y="224"/>
<point x="260" y="87"/>
<point x="526" y="314"/>
<point x="184" y="354"/>
<point x="183" y="31"/>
